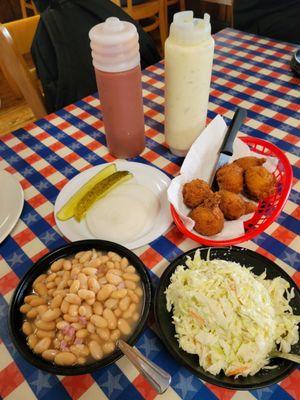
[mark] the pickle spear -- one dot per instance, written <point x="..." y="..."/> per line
<point x="68" y="209"/>
<point x="100" y="190"/>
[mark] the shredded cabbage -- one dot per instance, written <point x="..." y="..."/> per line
<point x="231" y="318"/>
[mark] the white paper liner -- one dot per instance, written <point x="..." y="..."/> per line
<point x="199" y="163"/>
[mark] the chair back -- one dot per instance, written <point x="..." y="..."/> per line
<point x="12" y="47"/>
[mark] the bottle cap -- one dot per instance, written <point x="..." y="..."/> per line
<point x="115" y="45"/>
<point x="187" y="30"/>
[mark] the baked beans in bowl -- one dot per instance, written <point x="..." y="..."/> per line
<point x="72" y="306"/>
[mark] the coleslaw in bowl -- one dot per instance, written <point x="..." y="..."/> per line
<point x="230" y="317"/>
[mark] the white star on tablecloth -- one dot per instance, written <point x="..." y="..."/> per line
<point x="60" y="135"/>
<point x="185" y="385"/>
<point x="15" y="259"/>
<point x="37" y="147"/>
<point x="112" y="383"/>
<point x="41" y="381"/>
<point x="80" y="125"/>
<point x="262" y="394"/>
<point x="51" y="158"/>
<point x="67" y="171"/>
<point x="42" y="185"/>
<point x="75" y="146"/>
<point x="12" y="159"/>
<point x="48" y="237"/>
<point x="27" y="171"/>
<point x="149" y="346"/>
<point x="46" y="126"/>
<point x="291" y="258"/>
<point x="91" y="157"/>
<point x="29" y="218"/>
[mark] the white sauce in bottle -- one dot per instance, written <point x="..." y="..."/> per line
<point x="188" y="63"/>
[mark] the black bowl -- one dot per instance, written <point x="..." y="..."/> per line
<point x="42" y="265"/>
<point x="259" y="264"/>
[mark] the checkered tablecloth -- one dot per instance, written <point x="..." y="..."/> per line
<point x="248" y="71"/>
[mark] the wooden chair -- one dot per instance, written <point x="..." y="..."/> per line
<point x="154" y="10"/>
<point x="15" y="41"/>
<point x="28" y="5"/>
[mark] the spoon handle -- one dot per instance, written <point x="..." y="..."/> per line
<point x="156" y="376"/>
<point x="287" y="356"/>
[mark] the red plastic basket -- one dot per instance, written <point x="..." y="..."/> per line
<point x="267" y="210"/>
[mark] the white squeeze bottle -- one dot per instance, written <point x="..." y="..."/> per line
<point x="189" y="52"/>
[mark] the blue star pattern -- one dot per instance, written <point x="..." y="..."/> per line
<point x="75" y="146"/>
<point x="46" y="126"/>
<point x="42" y="185"/>
<point x="67" y="171"/>
<point x="81" y="125"/>
<point x="30" y="218"/>
<point x="263" y="394"/>
<point x="186" y="384"/>
<point x="48" y="237"/>
<point x="37" y="147"/>
<point x="112" y="384"/>
<point x="149" y="344"/>
<point x="60" y="135"/>
<point x="27" y="171"/>
<point x="291" y="258"/>
<point x="40" y="382"/>
<point x="91" y="157"/>
<point x="15" y="259"/>
<point x="51" y="158"/>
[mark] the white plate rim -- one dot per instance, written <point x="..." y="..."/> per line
<point x="130" y="166"/>
<point x="18" y="206"/>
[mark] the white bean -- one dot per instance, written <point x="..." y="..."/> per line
<point x="42" y="345"/>
<point x="98" y="308"/>
<point x="99" y="321"/>
<point x="123" y="326"/>
<point x="51" y="315"/>
<point x="49" y="354"/>
<point x="113" y="279"/>
<point x="75" y="286"/>
<point x="65" y="358"/>
<point x="95" y="350"/>
<point x="27" y="328"/>
<point x="110" y="318"/>
<point x="105" y="292"/>
<point x="119" y="294"/>
<point x="73" y="298"/>
<point x="45" y="325"/>
<point x="124" y="303"/>
<point x="103" y="333"/>
<point x="57" y="265"/>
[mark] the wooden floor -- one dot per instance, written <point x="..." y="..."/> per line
<point x="14" y="112"/>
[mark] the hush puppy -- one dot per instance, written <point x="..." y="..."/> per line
<point x="247" y="162"/>
<point x="230" y="177"/>
<point x="208" y="221"/>
<point x="259" y="183"/>
<point x="195" y="192"/>
<point x="234" y="206"/>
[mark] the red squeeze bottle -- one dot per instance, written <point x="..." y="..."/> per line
<point x="116" y="59"/>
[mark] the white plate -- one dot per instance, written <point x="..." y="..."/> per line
<point x="150" y="177"/>
<point x="11" y="203"/>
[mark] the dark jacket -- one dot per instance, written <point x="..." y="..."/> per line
<point x="61" y="48"/>
<point x="277" y="19"/>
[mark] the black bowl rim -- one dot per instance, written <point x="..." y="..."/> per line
<point x="213" y="380"/>
<point x="73" y="248"/>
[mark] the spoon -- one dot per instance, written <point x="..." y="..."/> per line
<point x="287" y="356"/>
<point x="158" y="378"/>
